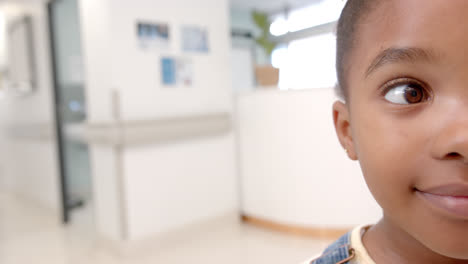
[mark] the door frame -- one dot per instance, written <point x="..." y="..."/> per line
<point x="58" y="126"/>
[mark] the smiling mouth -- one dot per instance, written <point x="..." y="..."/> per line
<point x="451" y="199"/>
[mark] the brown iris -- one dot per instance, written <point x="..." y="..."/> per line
<point x="414" y="94"/>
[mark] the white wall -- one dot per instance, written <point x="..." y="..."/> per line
<point x="171" y="185"/>
<point x="106" y="190"/>
<point x="29" y="163"/>
<point x="114" y="60"/>
<point x="176" y="185"/>
<point x="137" y="72"/>
<point x="97" y="59"/>
<point x="293" y="170"/>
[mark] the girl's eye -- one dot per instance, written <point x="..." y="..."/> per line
<point x="405" y="94"/>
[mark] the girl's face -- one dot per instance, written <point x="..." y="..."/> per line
<point x="406" y="118"/>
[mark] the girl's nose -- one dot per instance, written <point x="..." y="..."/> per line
<point x="451" y="142"/>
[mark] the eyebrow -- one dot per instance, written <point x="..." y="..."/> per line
<point x="399" y="55"/>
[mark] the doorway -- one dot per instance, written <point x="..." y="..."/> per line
<point x="70" y="107"/>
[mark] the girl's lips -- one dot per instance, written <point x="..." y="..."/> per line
<point x="452" y="199"/>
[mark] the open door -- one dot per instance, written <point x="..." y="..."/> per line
<point x="70" y="105"/>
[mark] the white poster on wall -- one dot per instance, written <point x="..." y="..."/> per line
<point x="195" y="39"/>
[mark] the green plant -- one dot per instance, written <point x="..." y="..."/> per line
<point x="263" y="23"/>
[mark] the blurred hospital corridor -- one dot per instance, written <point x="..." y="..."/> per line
<point x="182" y="131"/>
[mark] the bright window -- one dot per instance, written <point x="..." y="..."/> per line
<point x="310" y="62"/>
<point x="307" y="63"/>
<point x="323" y="12"/>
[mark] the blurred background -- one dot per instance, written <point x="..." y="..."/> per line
<point x="151" y="131"/>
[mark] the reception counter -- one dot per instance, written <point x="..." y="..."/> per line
<point x="294" y="175"/>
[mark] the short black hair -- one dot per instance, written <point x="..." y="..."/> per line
<point x="348" y="25"/>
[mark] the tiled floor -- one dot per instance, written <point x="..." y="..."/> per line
<point x="29" y="235"/>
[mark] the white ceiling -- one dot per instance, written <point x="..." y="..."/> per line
<point x="271" y="5"/>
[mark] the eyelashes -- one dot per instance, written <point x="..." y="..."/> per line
<point x="405" y="91"/>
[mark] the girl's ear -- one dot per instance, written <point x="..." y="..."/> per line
<point x="343" y="128"/>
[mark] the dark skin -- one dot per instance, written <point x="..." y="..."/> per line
<point x="406" y="121"/>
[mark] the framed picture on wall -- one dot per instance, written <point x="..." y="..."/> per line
<point x="176" y="72"/>
<point x="195" y="39"/>
<point x="153" y="35"/>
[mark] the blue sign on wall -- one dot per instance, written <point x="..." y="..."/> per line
<point x="168" y="71"/>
